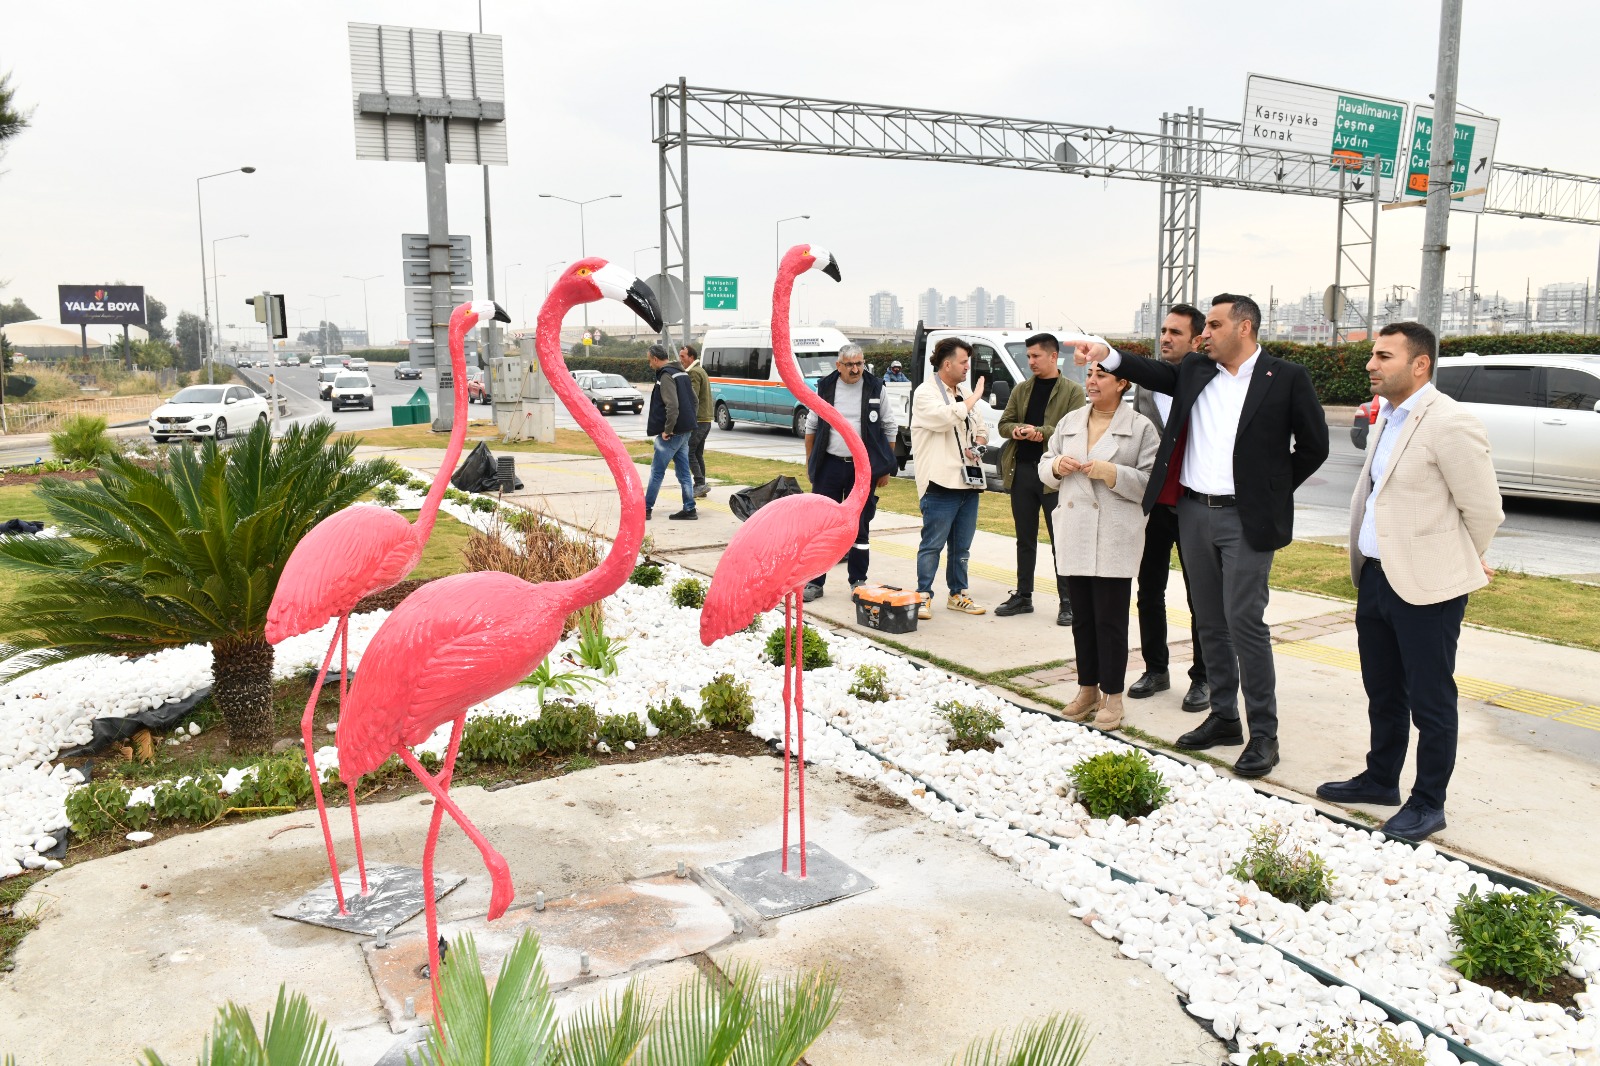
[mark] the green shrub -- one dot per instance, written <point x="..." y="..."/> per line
<point x="391" y="472"/>
<point x="457" y="496"/>
<point x="814" y="650"/>
<point x="974" y="727"/>
<point x="280" y="781"/>
<point x="566" y="728"/>
<point x="416" y="484"/>
<point x="1291" y="873"/>
<point x="482" y="503"/>
<point x="870" y="684"/>
<point x="726" y="704"/>
<point x="673" y="718"/>
<point x="97" y="807"/>
<point x="494" y="738"/>
<point x="1123" y="783"/>
<point x="646" y="575"/>
<point x="193" y="800"/>
<point x="82" y="441"/>
<point x="617" y="729"/>
<point x="595" y="650"/>
<point x="1514" y="935"/>
<point x="1340" y="1047"/>
<point x="386" y="494"/>
<point x="690" y="592"/>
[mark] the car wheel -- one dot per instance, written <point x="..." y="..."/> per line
<point x="159" y="440"/>
<point x="1358" y="432"/>
<point x="261" y="420"/>
<point x="370" y="403"/>
<point x="222" y="429"/>
<point x="724" y="418"/>
<point x="799" y="426"/>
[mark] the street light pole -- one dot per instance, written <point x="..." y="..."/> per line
<point x="636" y="251"/>
<point x="205" y="295"/>
<point x="777" y="241"/>
<point x="215" y="275"/>
<point x="327" y="349"/>
<point x="505" y="287"/>
<point x="366" y="309"/>
<point x="583" y="242"/>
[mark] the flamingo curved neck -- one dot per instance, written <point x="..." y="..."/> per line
<point x="789" y="371"/>
<point x="458" y="432"/>
<point x="614" y="569"/>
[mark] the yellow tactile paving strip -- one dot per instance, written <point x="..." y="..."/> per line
<point x="1524" y="701"/>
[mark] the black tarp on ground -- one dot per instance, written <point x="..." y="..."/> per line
<point x="747" y="502"/>
<point x="156" y="719"/>
<point x="478" y="472"/>
<point x="20" y="525"/>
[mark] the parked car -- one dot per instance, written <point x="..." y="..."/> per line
<point x="291" y="360"/>
<point x="352" y="390"/>
<point x="611" y="393"/>
<point x="207" y="411"/>
<point x="1362" y="421"/>
<point x="478" y="388"/>
<point x="357" y="363"/>
<point x="344" y="360"/>
<point x="407" y="372"/>
<point x="325" y="380"/>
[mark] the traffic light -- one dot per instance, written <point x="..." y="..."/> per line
<point x="270" y="309"/>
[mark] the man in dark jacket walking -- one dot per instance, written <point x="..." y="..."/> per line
<point x="857" y="395"/>
<point x="671" y="427"/>
<point x="689" y="359"/>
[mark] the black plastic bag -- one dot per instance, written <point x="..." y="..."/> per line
<point x="748" y="502"/>
<point x="478" y="472"/>
<point x="107" y="731"/>
<point x="20" y="525"/>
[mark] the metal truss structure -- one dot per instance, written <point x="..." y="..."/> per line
<point x="1189" y="153"/>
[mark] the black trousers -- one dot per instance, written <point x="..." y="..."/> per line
<point x="1408" y="665"/>
<point x="697" y="453"/>
<point x="1100" y="630"/>
<point x="1155" y="567"/>
<point x="1028" y="498"/>
<point x="834" y="480"/>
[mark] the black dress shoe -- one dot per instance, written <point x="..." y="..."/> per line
<point x="812" y="591"/>
<point x="1212" y="732"/>
<point x="1415" y="821"/>
<point x="647" y="514"/>
<point x="1150" y="682"/>
<point x="1198" y="698"/>
<point x="1064" y="615"/>
<point x="688" y="514"/>
<point x="1358" y="790"/>
<point x="1019" y="603"/>
<point x="1259" y="757"/>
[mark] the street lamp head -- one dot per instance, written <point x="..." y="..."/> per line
<point x="247" y="170"/>
<point x="805" y="216"/>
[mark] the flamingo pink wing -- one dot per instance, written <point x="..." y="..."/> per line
<point x="350" y="554"/>
<point x="785" y="544"/>
<point x="451" y="644"/>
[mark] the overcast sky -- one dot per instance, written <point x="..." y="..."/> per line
<point x="134" y="101"/>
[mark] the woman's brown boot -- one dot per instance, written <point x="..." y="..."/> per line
<point x="1083" y="706"/>
<point x="1109" y="716"/>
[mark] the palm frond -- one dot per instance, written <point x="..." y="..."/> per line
<point x="515" y="1026"/>
<point x="292" y="1035"/>
<point x="702" y="1025"/>
<point x="1059" y="1040"/>
<point x="789" y="1017"/>
<point x="607" y="1032"/>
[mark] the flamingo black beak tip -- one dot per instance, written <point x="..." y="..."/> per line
<point x="642" y="301"/>
<point x="500" y="314"/>
<point x="832" y="269"/>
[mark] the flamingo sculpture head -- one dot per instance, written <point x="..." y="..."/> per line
<point x="593" y="279"/>
<point x="804" y="257"/>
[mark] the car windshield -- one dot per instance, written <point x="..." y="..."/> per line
<point x="198" y="394"/>
<point x="815" y="364"/>
<point x="608" y="381"/>
<point x="351" y="381"/>
<point x="1064" y="362"/>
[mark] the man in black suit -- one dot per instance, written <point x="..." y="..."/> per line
<point x="1245" y="430"/>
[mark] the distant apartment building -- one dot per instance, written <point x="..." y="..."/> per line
<point x="883" y="311"/>
<point x="930" y="307"/>
<point x="978" y="311"/>
<point x="1562" y="307"/>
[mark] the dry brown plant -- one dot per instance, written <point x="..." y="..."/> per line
<point x="531" y="546"/>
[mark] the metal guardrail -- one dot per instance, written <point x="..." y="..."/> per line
<point x="47" y="416"/>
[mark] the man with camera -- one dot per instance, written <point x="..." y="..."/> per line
<point x="947" y="442"/>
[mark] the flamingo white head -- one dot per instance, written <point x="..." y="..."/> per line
<point x="595" y="279"/>
<point x="489" y="310"/>
<point x="804" y="257"/>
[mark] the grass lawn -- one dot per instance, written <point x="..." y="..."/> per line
<point x="21" y="501"/>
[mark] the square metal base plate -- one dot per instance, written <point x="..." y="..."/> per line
<point x="394" y="897"/>
<point x="758" y="882"/>
<point x="620" y="927"/>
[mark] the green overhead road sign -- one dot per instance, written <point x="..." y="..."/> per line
<point x="721" y="294"/>
<point x="1474" y="158"/>
<point x="1364" y="128"/>
<point x="1348" y="129"/>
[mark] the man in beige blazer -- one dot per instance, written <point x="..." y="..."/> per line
<point x="1424" y="511"/>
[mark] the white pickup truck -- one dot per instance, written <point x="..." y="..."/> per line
<point x="1000" y="357"/>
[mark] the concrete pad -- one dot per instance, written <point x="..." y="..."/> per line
<point x="394" y="897"/>
<point x="168" y="955"/>
<point x="760" y="883"/>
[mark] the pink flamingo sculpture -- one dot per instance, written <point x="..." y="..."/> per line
<point x="350" y="555"/>
<point x="461" y="639"/>
<point x="789" y="541"/>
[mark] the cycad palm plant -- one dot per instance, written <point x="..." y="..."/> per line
<point x="186" y="553"/>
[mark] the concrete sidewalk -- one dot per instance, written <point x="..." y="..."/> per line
<point x="1530" y="722"/>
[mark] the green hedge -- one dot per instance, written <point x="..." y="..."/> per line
<point x="378" y="355"/>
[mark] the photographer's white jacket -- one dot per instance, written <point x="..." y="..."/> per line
<point x="935" y="426"/>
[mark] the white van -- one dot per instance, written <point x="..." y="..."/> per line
<point x="1000" y="357"/>
<point x="745" y="386"/>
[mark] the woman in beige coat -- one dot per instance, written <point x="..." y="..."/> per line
<point x="1100" y="458"/>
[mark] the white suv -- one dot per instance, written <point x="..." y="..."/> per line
<point x="358" y="363"/>
<point x="351" y="390"/>
<point x="207" y="411"/>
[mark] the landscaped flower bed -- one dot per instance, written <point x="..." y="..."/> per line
<point x="1385" y="928"/>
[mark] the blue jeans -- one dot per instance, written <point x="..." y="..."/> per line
<point x="676" y="452"/>
<point x="949" y="517"/>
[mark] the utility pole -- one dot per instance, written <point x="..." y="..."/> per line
<point x="1441" y="167"/>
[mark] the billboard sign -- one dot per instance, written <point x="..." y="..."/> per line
<point x="90" y="305"/>
<point x="1343" y="127"/>
<point x="1473" y="156"/>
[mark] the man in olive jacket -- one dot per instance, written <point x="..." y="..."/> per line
<point x="689" y="358"/>
<point x="1031" y="414"/>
